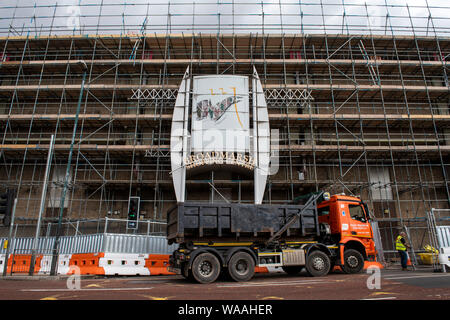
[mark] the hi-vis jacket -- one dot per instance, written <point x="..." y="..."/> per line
<point x="399" y="245"/>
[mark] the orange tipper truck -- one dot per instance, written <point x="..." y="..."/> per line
<point x="231" y="238"/>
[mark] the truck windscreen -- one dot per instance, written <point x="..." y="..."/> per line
<point x="357" y="212"/>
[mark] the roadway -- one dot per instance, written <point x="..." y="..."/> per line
<point x="422" y="284"/>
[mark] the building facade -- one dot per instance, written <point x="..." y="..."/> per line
<point x="366" y="115"/>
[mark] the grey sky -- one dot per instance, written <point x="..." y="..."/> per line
<point x="310" y="16"/>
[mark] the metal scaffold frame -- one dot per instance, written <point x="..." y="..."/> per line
<point x="358" y="92"/>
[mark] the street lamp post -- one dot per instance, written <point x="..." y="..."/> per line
<point x="42" y="206"/>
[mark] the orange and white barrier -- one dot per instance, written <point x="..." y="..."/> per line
<point x="104" y="263"/>
<point x="134" y="264"/>
<point x="93" y="264"/>
<point x="21" y="263"/>
<point x="88" y="263"/>
<point x="158" y="263"/>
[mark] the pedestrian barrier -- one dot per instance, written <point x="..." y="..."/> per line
<point x="20" y="263"/>
<point x="91" y="264"/>
<point x="124" y="264"/>
<point x="97" y="254"/>
<point x="64" y="263"/>
<point x="157" y="264"/>
<point x="88" y="263"/>
<point x="113" y="264"/>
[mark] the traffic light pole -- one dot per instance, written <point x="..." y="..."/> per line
<point x="66" y="179"/>
<point x="8" y="245"/>
<point x="133" y="213"/>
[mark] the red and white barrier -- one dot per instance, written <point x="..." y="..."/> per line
<point x="104" y="263"/>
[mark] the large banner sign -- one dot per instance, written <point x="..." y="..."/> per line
<point x="220" y="114"/>
<point x="215" y="134"/>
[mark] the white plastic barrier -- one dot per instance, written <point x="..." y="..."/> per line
<point x="63" y="263"/>
<point x="2" y="262"/>
<point x="443" y="235"/>
<point x="124" y="264"/>
<point x="444" y="259"/>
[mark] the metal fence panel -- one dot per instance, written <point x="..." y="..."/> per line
<point x="443" y="235"/>
<point x="377" y="239"/>
<point x="114" y="243"/>
<point x="25" y="245"/>
<point x="123" y="243"/>
<point x="81" y="244"/>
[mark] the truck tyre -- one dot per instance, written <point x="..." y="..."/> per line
<point x="292" y="270"/>
<point x="353" y="261"/>
<point x="317" y="264"/>
<point x="205" y="268"/>
<point x="241" y="267"/>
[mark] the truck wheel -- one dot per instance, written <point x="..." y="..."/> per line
<point x="353" y="261"/>
<point x="205" y="268"/>
<point x="292" y="270"/>
<point x="241" y="267"/>
<point x="317" y="264"/>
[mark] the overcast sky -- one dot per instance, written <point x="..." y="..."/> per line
<point x="33" y="17"/>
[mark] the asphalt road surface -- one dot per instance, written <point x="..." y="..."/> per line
<point x="392" y="285"/>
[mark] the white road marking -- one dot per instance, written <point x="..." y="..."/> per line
<point x="95" y="289"/>
<point x="383" y="298"/>
<point x="263" y="284"/>
<point x="412" y="276"/>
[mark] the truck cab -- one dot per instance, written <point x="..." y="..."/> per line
<point x="348" y="220"/>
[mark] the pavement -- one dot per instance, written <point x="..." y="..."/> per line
<point x="44" y="277"/>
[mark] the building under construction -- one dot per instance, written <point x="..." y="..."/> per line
<point x="360" y="108"/>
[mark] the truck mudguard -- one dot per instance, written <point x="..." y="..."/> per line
<point x="317" y="246"/>
<point x="354" y="243"/>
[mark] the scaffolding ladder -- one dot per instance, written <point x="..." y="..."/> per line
<point x="369" y="65"/>
<point x="413" y="255"/>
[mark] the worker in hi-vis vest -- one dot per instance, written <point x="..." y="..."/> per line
<point x="401" y="247"/>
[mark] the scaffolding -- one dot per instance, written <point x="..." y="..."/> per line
<point x="358" y="92"/>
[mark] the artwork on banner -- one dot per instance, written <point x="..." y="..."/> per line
<point x="220" y="114"/>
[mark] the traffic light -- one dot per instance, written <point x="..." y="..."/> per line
<point x="133" y="212"/>
<point x="6" y="205"/>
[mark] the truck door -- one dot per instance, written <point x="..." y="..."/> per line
<point x="354" y="221"/>
<point x="327" y="215"/>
